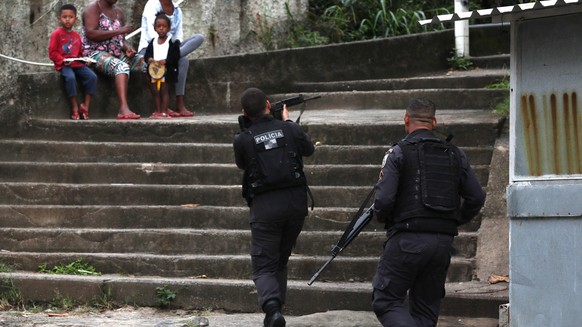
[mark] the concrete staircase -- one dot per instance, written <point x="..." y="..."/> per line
<point x="151" y="203"/>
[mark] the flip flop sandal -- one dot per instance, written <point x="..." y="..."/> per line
<point x="173" y="113"/>
<point x="128" y="116"/>
<point x="186" y="114"/>
<point x="159" y="115"/>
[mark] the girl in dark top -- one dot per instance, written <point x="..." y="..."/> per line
<point x="165" y="52"/>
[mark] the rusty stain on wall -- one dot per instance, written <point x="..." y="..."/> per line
<point x="551" y="132"/>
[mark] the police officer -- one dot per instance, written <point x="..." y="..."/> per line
<point x="418" y="198"/>
<point x="270" y="151"/>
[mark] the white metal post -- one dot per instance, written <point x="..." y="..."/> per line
<point x="462" y="30"/>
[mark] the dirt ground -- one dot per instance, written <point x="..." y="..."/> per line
<point x="130" y="316"/>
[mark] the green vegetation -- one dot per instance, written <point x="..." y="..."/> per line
<point x="337" y="21"/>
<point x="105" y="301"/>
<point x="61" y="302"/>
<point x="264" y="32"/>
<point x="457" y="62"/>
<point x="5" y="268"/>
<point x="78" y="267"/>
<point x="501" y="108"/>
<point x="9" y="294"/>
<point x="165" y="296"/>
<point x="502" y="84"/>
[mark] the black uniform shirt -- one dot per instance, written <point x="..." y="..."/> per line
<point x="278" y="204"/>
<point x="387" y="187"/>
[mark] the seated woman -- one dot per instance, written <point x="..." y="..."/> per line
<point x="103" y="39"/>
<point x="188" y="45"/>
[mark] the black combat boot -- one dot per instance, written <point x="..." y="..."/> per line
<point x="273" y="315"/>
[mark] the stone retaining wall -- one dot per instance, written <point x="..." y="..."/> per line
<point x="215" y="84"/>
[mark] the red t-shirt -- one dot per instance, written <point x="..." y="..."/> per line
<point x="65" y="44"/>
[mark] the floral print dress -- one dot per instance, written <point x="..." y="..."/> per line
<point x="113" y="45"/>
<point x="109" y="55"/>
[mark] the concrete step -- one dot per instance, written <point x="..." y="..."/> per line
<point x="467" y="299"/>
<point x="449" y="98"/>
<point x="458" y="80"/>
<point x="181" y="174"/>
<point x="301" y="267"/>
<point x="178" y="195"/>
<point x="177" y="217"/>
<point x="182" y="153"/>
<point x="114" y="152"/>
<point x="470" y="127"/>
<point x="495" y="61"/>
<point x="190" y="241"/>
<point x="126" y="194"/>
<point x="129" y="316"/>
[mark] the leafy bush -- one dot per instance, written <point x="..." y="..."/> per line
<point x="336" y="21"/>
<point x="165" y="296"/>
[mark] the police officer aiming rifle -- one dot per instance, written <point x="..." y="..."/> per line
<point x="270" y="152"/>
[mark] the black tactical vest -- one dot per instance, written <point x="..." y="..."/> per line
<point x="274" y="162"/>
<point x="429" y="181"/>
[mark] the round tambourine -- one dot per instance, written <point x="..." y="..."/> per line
<point x="156" y="70"/>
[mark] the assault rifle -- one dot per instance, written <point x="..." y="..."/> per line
<point x="359" y="221"/>
<point x="277" y="109"/>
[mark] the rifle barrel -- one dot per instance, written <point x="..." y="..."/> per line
<point x="312" y="98"/>
<point x="316" y="275"/>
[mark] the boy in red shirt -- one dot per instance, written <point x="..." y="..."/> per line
<point x="65" y="43"/>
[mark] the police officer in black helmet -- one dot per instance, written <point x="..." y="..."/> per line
<point x="418" y="197"/>
<point x="270" y="151"/>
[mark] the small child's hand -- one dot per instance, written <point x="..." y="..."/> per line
<point x="130" y="52"/>
<point x="163" y="62"/>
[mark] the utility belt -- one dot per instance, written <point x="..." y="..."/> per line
<point x="257" y="188"/>
<point x="428" y="225"/>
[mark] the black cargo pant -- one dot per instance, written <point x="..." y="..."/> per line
<point x="416" y="263"/>
<point x="271" y="247"/>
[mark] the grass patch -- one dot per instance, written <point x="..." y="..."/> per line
<point x="502" y="108"/>
<point x="5" y="268"/>
<point x="502" y="84"/>
<point x="62" y="302"/>
<point x="78" y="267"/>
<point x="105" y="301"/>
<point x="10" y="296"/>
